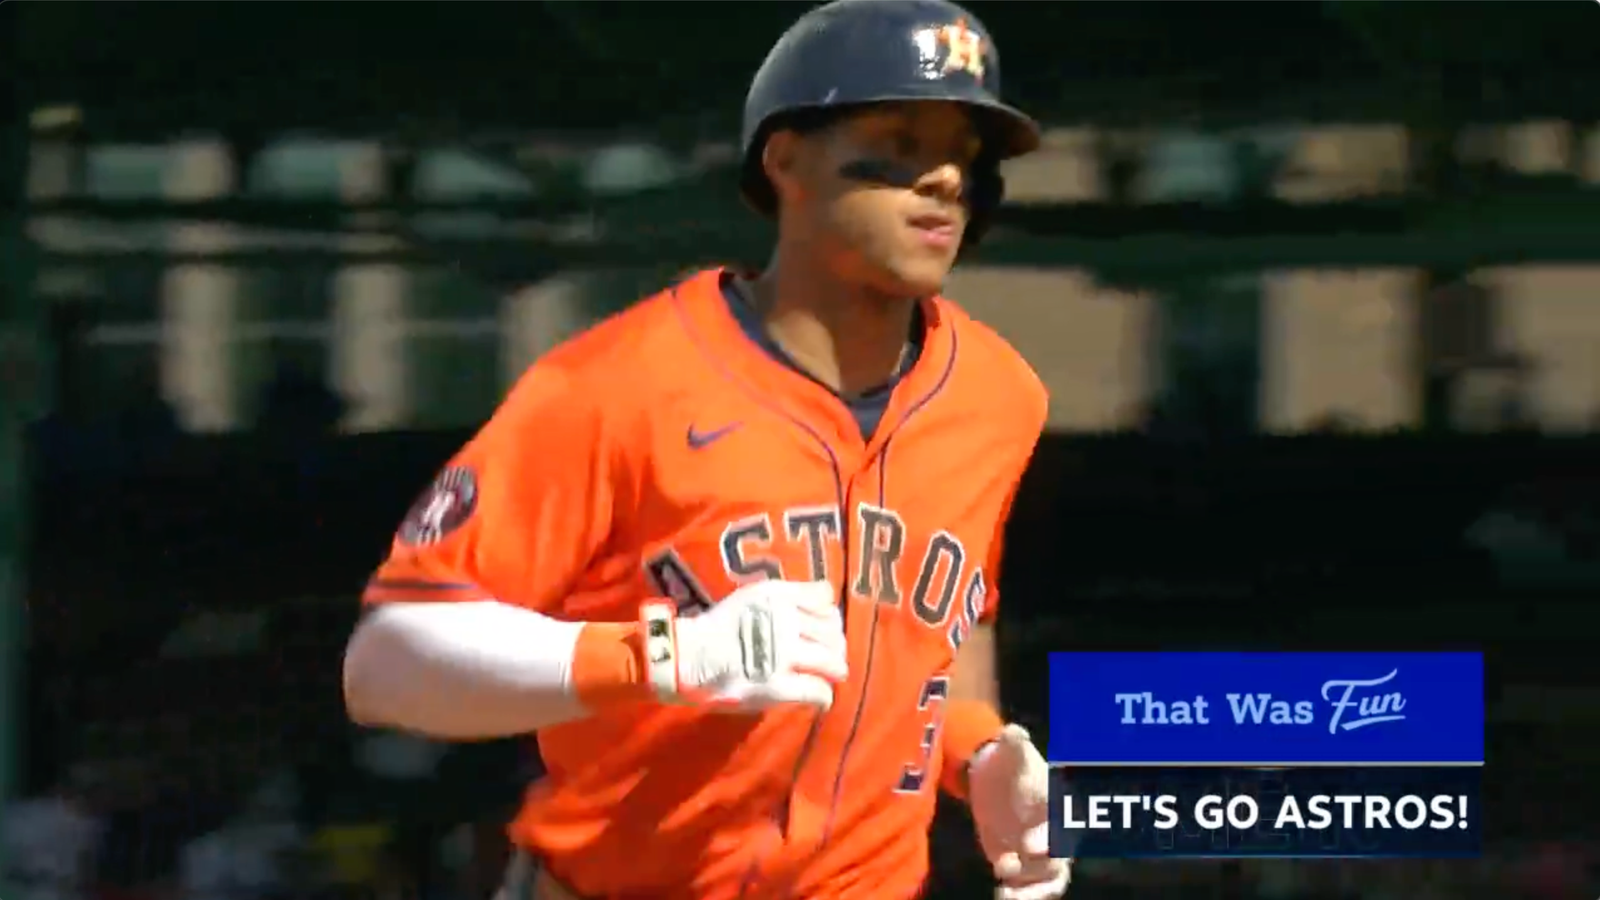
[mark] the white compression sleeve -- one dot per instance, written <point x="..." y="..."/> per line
<point x="461" y="671"/>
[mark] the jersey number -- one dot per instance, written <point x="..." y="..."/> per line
<point x="935" y="691"/>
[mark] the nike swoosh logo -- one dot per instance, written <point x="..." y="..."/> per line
<point x="699" y="440"/>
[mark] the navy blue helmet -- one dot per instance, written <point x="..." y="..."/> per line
<point x="851" y="53"/>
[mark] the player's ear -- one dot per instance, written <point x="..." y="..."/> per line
<point x="781" y="160"/>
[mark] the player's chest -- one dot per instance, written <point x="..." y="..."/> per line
<point x="905" y="531"/>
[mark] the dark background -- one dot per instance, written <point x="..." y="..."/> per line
<point x="1222" y="537"/>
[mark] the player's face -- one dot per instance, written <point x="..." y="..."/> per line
<point x="882" y="194"/>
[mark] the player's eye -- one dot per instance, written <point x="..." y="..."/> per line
<point x="930" y="153"/>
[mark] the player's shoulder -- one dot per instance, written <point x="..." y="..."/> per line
<point x="1002" y="372"/>
<point x="620" y="344"/>
<point x="612" y="358"/>
<point x="603" y="381"/>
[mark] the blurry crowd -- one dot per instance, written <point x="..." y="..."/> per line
<point x="380" y="831"/>
<point x="87" y="423"/>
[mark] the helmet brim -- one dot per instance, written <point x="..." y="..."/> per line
<point x="1007" y="132"/>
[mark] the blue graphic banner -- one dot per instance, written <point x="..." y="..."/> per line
<point x="1128" y="812"/>
<point x="1270" y="709"/>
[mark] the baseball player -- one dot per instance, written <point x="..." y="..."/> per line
<point x="732" y="553"/>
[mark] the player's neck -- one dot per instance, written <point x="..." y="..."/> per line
<point x="850" y="339"/>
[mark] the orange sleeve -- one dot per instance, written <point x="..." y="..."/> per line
<point x="1038" y="415"/>
<point x="991" y="567"/>
<point x="519" y="512"/>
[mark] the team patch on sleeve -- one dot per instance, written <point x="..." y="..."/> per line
<point x="445" y="506"/>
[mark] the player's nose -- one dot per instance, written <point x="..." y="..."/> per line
<point x="943" y="182"/>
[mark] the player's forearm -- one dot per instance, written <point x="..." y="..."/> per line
<point x="474" y="671"/>
<point x="972" y="719"/>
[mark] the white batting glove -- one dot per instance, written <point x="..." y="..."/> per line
<point x="765" y="644"/>
<point x="1008" y="788"/>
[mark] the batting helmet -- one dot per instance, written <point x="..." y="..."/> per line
<point x="850" y="53"/>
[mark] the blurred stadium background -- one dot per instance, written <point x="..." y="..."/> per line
<point x="1315" y="287"/>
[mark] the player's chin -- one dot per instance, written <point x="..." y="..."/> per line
<point x="924" y="279"/>
<point x="922" y="275"/>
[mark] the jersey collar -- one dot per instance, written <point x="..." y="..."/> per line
<point x="720" y="335"/>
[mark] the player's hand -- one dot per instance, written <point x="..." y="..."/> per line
<point x="766" y="644"/>
<point x="1008" y="788"/>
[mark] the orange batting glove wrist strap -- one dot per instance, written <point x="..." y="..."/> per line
<point x="968" y="726"/>
<point x="607" y="665"/>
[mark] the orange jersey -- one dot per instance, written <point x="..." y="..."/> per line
<point x="663" y="453"/>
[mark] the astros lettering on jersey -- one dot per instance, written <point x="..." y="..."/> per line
<point x="676" y="458"/>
